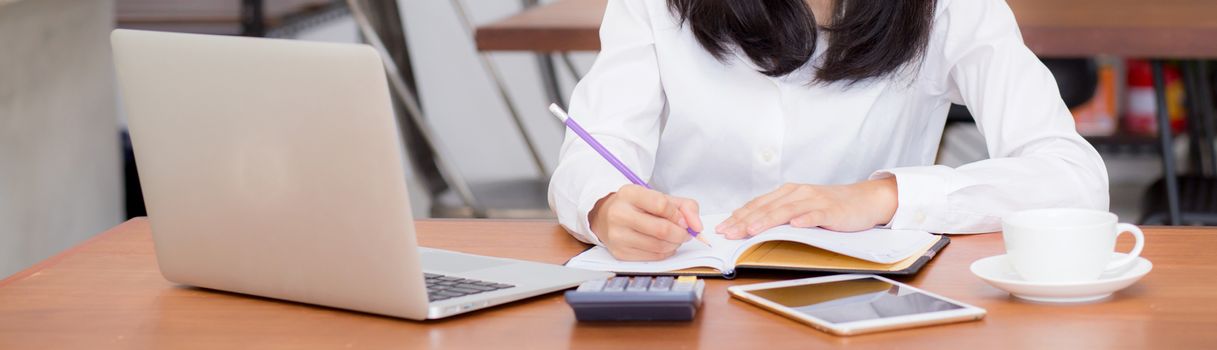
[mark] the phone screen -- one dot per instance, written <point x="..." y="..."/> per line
<point x="854" y="300"/>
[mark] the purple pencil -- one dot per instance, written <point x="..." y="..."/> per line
<point x="591" y="141"/>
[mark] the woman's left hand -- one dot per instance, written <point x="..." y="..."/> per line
<point x="852" y="207"/>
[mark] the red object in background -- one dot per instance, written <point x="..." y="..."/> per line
<point x="1098" y="117"/>
<point x="1140" y="115"/>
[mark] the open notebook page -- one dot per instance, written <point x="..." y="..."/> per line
<point x="877" y="245"/>
<point x="688" y="255"/>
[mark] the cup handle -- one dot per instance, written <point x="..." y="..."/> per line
<point x="1136" y="249"/>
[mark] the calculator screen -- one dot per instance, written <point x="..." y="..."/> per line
<point x="854" y="300"/>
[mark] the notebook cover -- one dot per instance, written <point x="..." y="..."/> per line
<point x="699" y="272"/>
<point x="928" y="255"/>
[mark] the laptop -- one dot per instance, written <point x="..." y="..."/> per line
<point x="275" y="168"/>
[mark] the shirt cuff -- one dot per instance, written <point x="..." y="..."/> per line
<point x="588" y="196"/>
<point x="921" y="193"/>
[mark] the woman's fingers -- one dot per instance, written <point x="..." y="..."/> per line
<point x="775" y="215"/>
<point x="636" y="223"/>
<point x="658" y="228"/>
<point x="648" y="242"/>
<point x="691" y="213"/>
<point x="764" y="199"/>
<point x="652" y="202"/>
<point x="811" y="218"/>
<point x="731" y="225"/>
<point x="632" y="254"/>
<point x="643" y="224"/>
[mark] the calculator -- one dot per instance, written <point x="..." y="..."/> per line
<point x="637" y="298"/>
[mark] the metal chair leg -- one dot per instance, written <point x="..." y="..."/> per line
<point x="253" y="20"/>
<point x="570" y="66"/>
<point x="549" y="72"/>
<point x="549" y="78"/>
<point x="493" y="72"/>
<point x="408" y="98"/>
<point x="1168" y="150"/>
<point x="1202" y="94"/>
<point x="1197" y="157"/>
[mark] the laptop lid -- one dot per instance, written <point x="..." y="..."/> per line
<point x="272" y="167"/>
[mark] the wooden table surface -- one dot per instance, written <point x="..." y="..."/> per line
<point x="1051" y="28"/>
<point x="107" y="293"/>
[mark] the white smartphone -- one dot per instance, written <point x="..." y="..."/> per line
<point x="855" y="304"/>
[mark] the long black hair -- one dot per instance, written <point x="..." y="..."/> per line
<point x="867" y="38"/>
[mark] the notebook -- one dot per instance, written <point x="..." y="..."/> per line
<point x="881" y="251"/>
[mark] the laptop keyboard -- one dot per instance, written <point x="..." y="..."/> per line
<point x="440" y="287"/>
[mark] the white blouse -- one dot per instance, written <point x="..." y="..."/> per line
<point x="722" y="133"/>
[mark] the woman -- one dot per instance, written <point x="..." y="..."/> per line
<point x="812" y="113"/>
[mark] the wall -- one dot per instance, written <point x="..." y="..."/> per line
<point x="59" y="151"/>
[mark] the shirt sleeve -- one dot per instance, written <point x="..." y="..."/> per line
<point x="619" y="102"/>
<point x="1037" y="159"/>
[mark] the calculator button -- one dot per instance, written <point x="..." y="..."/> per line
<point x="616" y="284"/>
<point x="684" y="283"/>
<point x="639" y="284"/>
<point x="592" y="286"/>
<point x="662" y="283"/>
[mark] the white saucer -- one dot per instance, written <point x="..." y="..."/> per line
<point x="996" y="271"/>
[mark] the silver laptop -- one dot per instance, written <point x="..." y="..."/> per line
<point x="274" y="168"/>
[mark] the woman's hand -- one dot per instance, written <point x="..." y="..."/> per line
<point x="638" y="224"/>
<point x="852" y="207"/>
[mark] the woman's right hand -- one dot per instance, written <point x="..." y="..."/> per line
<point x="639" y="224"/>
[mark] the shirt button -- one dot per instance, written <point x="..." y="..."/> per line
<point x="767" y="155"/>
<point x="920" y="217"/>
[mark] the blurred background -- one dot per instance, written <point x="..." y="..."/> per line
<point x="472" y="78"/>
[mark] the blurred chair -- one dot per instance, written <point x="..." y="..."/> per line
<point x="1189" y="199"/>
<point x="452" y="196"/>
<point x="1076" y="78"/>
<point x="1197" y="202"/>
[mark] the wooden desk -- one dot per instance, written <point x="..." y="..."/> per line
<point x="1051" y="28"/>
<point x="108" y="293"/>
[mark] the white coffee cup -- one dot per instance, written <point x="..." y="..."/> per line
<point x="1066" y="245"/>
